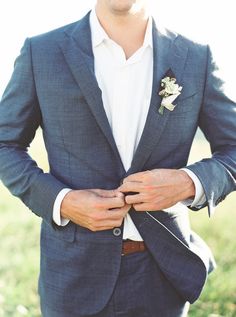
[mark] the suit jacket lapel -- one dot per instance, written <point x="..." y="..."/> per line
<point x="168" y="53"/>
<point x="78" y="53"/>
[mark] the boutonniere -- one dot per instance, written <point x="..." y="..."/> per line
<point x="169" y="91"/>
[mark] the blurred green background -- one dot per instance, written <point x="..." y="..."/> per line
<point x="19" y="257"/>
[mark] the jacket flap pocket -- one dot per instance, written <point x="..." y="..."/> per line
<point x="66" y="233"/>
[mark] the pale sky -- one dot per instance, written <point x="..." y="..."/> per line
<point x="208" y="20"/>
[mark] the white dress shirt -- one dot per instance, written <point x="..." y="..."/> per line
<point x="126" y="86"/>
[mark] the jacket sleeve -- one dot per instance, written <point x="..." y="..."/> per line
<point x="20" y="117"/>
<point x="217" y="120"/>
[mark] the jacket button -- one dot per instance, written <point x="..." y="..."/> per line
<point x="117" y="232"/>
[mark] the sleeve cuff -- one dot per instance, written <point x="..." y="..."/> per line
<point x="57" y="208"/>
<point x="200" y="197"/>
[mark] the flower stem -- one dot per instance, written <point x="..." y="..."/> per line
<point x="161" y="110"/>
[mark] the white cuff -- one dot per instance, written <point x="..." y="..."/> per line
<point x="200" y="197"/>
<point x="57" y="208"/>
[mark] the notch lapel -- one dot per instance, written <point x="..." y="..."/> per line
<point x="168" y="53"/>
<point x="78" y="53"/>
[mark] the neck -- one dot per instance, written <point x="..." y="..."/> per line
<point x="125" y="28"/>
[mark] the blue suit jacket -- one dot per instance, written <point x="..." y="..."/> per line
<point x="54" y="86"/>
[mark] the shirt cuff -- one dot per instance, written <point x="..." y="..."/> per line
<point x="200" y="197"/>
<point x="60" y="221"/>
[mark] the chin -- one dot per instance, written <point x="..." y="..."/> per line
<point x="122" y="6"/>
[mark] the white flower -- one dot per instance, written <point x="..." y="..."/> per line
<point x="167" y="102"/>
<point x="170" y="92"/>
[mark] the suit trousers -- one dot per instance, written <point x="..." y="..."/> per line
<point x="141" y="291"/>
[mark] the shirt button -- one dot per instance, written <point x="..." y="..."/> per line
<point x="117" y="232"/>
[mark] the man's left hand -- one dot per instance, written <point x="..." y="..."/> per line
<point x="157" y="189"/>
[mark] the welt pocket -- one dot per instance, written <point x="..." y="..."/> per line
<point x="184" y="98"/>
<point x="186" y="104"/>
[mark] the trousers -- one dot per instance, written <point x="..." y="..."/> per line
<point x="141" y="291"/>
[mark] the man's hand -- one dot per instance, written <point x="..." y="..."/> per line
<point x="157" y="189"/>
<point x="95" y="209"/>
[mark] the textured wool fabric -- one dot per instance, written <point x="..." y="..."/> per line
<point x="54" y="86"/>
<point x="141" y="291"/>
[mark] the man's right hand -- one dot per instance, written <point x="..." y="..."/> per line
<point x="95" y="209"/>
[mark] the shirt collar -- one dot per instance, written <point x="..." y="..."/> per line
<point x="97" y="31"/>
<point x="99" y="35"/>
<point x="148" y="35"/>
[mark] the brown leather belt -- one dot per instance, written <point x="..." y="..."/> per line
<point x="130" y="246"/>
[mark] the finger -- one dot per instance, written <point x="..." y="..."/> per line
<point x="131" y="187"/>
<point x="105" y="193"/>
<point x="108" y="226"/>
<point x="137" y="177"/>
<point x="119" y="194"/>
<point x="135" y="199"/>
<point x="119" y="212"/>
<point x="96" y="219"/>
<point x="109" y="203"/>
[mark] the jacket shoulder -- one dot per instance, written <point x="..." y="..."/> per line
<point x="194" y="45"/>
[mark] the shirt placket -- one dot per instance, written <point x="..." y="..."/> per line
<point x="120" y="95"/>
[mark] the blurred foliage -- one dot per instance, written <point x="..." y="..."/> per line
<point x="19" y="257"/>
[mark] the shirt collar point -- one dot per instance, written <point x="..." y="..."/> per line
<point x="98" y="33"/>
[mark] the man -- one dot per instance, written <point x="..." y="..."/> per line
<point x="115" y="237"/>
